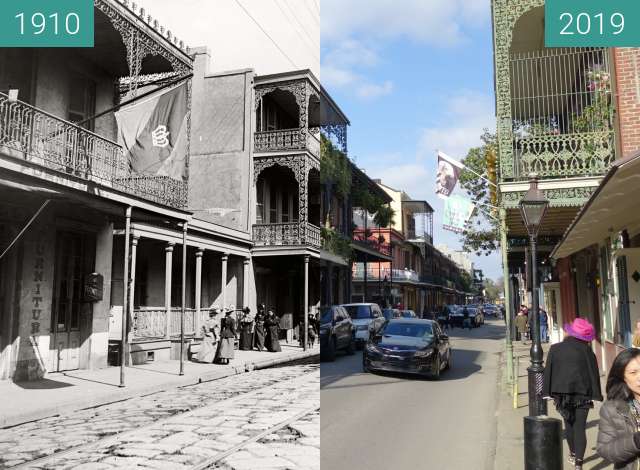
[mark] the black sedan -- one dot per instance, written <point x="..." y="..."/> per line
<point x="408" y="345"/>
<point x="336" y="332"/>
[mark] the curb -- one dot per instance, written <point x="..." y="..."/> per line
<point x="126" y="394"/>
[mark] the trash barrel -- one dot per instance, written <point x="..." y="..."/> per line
<point x="542" y="443"/>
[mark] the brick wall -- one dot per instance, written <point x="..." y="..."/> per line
<point x="627" y="70"/>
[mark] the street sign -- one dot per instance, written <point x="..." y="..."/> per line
<point x="592" y="23"/>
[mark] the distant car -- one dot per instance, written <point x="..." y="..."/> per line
<point x="408" y="314"/>
<point x="476" y="317"/>
<point x="445" y="313"/>
<point x="408" y="345"/>
<point x="390" y="313"/>
<point x="490" y="310"/>
<point x="366" y="318"/>
<point x="336" y="332"/>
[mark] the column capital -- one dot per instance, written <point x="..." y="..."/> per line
<point x="306" y="258"/>
<point x="169" y="247"/>
<point x="134" y="240"/>
<point x="246" y="260"/>
<point x="225" y="256"/>
<point x="199" y="252"/>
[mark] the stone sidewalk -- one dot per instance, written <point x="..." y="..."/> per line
<point x="510" y="444"/>
<point x="64" y="392"/>
<point x="263" y="419"/>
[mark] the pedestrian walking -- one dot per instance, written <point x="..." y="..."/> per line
<point x="207" y="350"/>
<point x="619" y="429"/>
<point x="466" y="321"/>
<point x="572" y="380"/>
<point x="259" y="329"/>
<point x="228" y="336"/>
<point x="521" y="327"/>
<point x="272" y="327"/>
<point x="544" y="323"/>
<point x="313" y="328"/>
<point x="444" y="318"/>
<point x="246" y="330"/>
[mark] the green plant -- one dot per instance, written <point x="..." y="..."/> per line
<point x="384" y="216"/>
<point x="334" y="167"/>
<point x="336" y="243"/>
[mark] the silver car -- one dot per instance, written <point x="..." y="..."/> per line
<point x="367" y="318"/>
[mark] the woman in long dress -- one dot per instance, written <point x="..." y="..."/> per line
<point x="227" y="336"/>
<point x="258" y="336"/>
<point x="272" y="324"/>
<point x="207" y="351"/>
<point x="246" y="333"/>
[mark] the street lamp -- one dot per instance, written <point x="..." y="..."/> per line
<point x="533" y="207"/>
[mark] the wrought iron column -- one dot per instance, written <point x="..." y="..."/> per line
<point x="125" y="282"/>
<point x="184" y="293"/>
<point x="306" y="302"/>
<point x="223" y="282"/>
<point x="132" y="276"/>
<point x="198" y="288"/>
<point x="507" y="295"/>
<point x="168" y="266"/>
<point x="537" y="406"/>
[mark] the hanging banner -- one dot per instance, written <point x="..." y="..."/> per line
<point x="447" y="175"/>
<point x="457" y="211"/>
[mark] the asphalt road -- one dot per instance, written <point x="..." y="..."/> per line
<point x="374" y="421"/>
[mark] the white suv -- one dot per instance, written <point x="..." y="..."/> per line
<point x="366" y="318"/>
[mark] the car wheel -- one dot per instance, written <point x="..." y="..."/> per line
<point x="331" y="350"/>
<point x="350" y="349"/>
<point x="435" y="374"/>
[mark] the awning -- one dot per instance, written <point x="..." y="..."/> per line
<point x="610" y="209"/>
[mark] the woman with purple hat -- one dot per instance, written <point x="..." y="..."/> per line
<point x="571" y="378"/>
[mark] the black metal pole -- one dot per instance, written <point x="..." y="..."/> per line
<point x="537" y="406"/>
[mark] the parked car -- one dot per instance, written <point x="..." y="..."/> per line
<point x="408" y="314"/>
<point x="366" y="318"/>
<point x="389" y="313"/>
<point x="445" y="313"/>
<point x="475" y="316"/>
<point x="336" y="332"/>
<point x="408" y="345"/>
<point x="490" y="310"/>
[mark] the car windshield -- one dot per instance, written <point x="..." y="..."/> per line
<point x="413" y="330"/>
<point x="407" y="314"/>
<point x="358" y="311"/>
<point x="326" y="315"/>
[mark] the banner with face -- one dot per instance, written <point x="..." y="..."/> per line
<point x="447" y="175"/>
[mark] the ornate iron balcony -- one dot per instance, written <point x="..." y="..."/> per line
<point x="36" y="136"/>
<point x="151" y="322"/>
<point x="286" y="139"/>
<point x="286" y="234"/>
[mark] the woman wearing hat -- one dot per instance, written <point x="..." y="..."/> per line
<point x="227" y="336"/>
<point x="571" y="378"/>
<point x="272" y="325"/>
<point x="207" y="348"/>
<point x="258" y="336"/>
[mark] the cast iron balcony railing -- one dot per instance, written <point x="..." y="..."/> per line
<point x="36" y="136"/>
<point x="374" y="273"/>
<point x="286" y="234"/>
<point x="151" y="322"/>
<point x="561" y="114"/>
<point x="285" y="140"/>
<point x="373" y="244"/>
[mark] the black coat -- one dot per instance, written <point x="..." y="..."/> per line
<point x="572" y="368"/>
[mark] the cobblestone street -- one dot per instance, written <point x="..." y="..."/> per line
<point x="262" y="419"/>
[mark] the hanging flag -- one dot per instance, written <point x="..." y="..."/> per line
<point x="153" y="133"/>
<point x="457" y="211"/>
<point x="447" y="175"/>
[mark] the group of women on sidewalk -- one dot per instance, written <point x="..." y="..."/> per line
<point x="572" y="380"/>
<point x="263" y="335"/>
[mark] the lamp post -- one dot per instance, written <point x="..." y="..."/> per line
<point x="533" y="207"/>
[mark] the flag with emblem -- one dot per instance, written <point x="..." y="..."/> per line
<point x="153" y="133"/>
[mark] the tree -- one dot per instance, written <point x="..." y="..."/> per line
<point x="481" y="234"/>
<point x="492" y="289"/>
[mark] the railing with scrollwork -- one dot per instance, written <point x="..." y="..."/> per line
<point x="375" y="245"/>
<point x="562" y="112"/>
<point x="36" y="136"/>
<point x="149" y="323"/>
<point x="189" y="321"/>
<point x="286" y="139"/>
<point x="285" y="234"/>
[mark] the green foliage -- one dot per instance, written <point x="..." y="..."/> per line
<point x="492" y="289"/>
<point x="481" y="234"/>
<point x="384" y="216"/>
<point x="336" y="243"/>
<point x="334" y="168"/>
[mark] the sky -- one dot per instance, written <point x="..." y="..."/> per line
<point x="412" y="76"/>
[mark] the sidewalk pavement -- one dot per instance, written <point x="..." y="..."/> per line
<point x="510" y="443"/>
<point x="65" y="392"/>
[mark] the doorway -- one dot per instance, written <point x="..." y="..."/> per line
<point x="75" y="258"/>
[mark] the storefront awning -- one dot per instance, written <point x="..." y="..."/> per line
<point x="612" y="208"/>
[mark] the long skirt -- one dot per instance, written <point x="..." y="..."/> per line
<point x="258" y="336"/>
<point x="225" y="349"/>
<point x="273" y="343"/>
<point x="246" y="338"/>
<point x="207" y="350"/>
